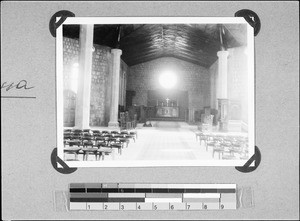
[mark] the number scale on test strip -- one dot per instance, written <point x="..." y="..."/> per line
<point x="118" y="196"/>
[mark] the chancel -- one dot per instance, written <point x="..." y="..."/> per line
<point x="188" y="81"/>
<point x="167" y="108"/>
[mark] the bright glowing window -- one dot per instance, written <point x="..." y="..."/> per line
<point x="168" y="80"/>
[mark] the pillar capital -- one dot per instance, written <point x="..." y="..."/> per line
<point x="223" y="54"/>
<point x="116" y="52"/>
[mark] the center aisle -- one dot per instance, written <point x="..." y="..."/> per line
<point x="165" y="141"/>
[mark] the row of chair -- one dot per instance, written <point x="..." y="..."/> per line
<point x="100" y="136"/>
<point x="98" y="132"/>
<point x="98" y="143"/>
<point x="228" y="147"/>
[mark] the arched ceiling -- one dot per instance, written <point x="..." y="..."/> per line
<point x="195" y="43"/>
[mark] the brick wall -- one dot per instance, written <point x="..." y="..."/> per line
<point x="190" y="77"/>
<point x="100" y="72"/>
<point x="100" y="82"/>
<point x="70" y="70"/>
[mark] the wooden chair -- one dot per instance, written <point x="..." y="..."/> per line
<point x="88" y="147"/>
<point x="124" y="132"/>
<point x="129" y="136"/>
<point x="73" y="147"/>
<point x="96" y="132"/>
<point x="86" y="135"/>
<point x="219" y="150"/>
<point x="76" y="137"/>
<point x="104" y="132"/>
<point x="211" y="143"/>
<point x="117" y="145"/>
<point x="95" y="136"/>
<point x="87" y="131"/>
<point x="77" y="134"/>
<point x="100" y="140"/>
<point x="122" y="138"/>
<point x="244" y="151"/>
<point x="198" y="134"/>
<point x="133" y="133"/>
<point x="124" y="141"/>
<point x="114" y="132"/>
<point x="203" y="138"/>
<point x="77" y="131"/>
<point x="67" y="137"/>
<point x="224" y="148"/>
<point x="103" y="151"/>
<point x="111" y="140"/>
<point x="236" y="147"/>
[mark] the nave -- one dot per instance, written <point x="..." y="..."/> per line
<point x="164" y="141"/>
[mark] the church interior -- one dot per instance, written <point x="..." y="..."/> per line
<point x="155" y="92"/>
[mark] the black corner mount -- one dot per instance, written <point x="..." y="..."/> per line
<point x="55" y="160"/>
<point x="53" y="25"/>
<point x="256" y="158"/>
<point x="251" y="17"/>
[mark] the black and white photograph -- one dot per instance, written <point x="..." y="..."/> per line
<point x="150" y="110"/>
<point x="160" y="91"/>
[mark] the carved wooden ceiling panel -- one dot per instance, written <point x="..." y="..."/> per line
<point x="195" y="43"/>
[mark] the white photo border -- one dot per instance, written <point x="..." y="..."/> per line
<point x="153" y="20"/>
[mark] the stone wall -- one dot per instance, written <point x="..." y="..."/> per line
<point x="100" y="82"/>
<point x="190" y="77"/>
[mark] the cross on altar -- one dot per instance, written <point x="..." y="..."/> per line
<point x="167" y="99"/>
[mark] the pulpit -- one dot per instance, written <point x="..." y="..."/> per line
<point x="207" y="120"/>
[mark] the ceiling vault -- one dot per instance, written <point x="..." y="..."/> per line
<point x="195" y="43"/>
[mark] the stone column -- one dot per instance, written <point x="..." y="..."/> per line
<point x="115" y="89"/>
<point x="222" y="90"/>
<point x="222" y="74"/>
<point x="82" y="113"/>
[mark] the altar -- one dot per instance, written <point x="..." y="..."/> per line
<point x="167" y="108"/>
<point x="167" y="112"/>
